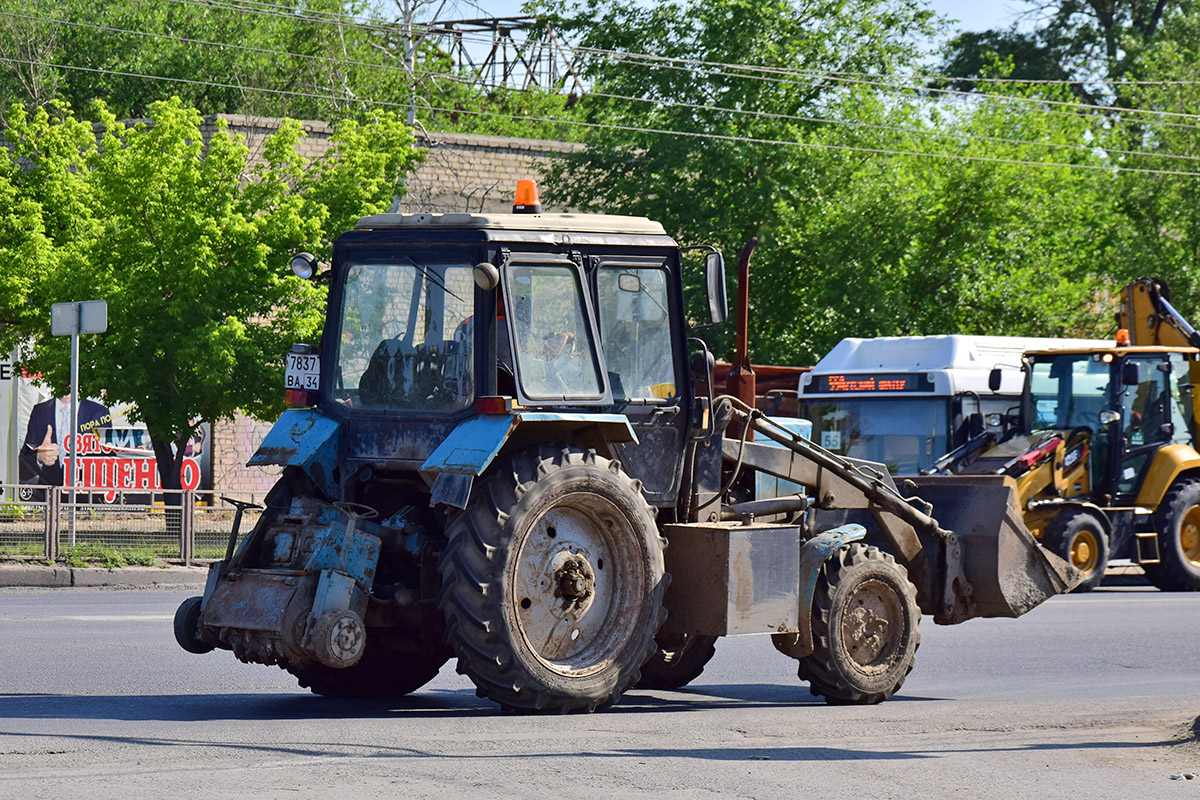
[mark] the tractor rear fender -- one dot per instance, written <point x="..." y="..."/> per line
<point x="1170" y="462"/>
<point x="472" y="446"/>
<point x="304" y="438"/>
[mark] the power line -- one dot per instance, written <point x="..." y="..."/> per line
<point x="626" y="98"/>
<point x="627" y="128"/>
<point x="756" y="72"/>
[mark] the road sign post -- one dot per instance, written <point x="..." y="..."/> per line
<point x="72" y="319"/>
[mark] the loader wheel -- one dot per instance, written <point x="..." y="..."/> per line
<point x="390" y="666"/>
<point x="187" y="627"/>
<point x="1080" y="539"/>
<point x="1178" y="523"/>
<point x="552" y="582"/>
<point x="679" y="660"/>
<point x="864" y="625"/>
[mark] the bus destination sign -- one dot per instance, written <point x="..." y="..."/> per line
<point x="864" y="382"/>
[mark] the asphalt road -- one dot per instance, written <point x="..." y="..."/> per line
<point x="1094" y="696"/>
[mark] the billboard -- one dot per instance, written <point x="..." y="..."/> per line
<point x="111" y="456"/>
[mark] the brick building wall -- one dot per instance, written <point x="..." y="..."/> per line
<point x="461" y="173"/>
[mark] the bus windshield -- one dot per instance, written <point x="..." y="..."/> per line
<point x="906" y="434"/>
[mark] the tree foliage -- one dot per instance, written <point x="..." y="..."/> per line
<point x="188" y="242"/>
<point x="880" y="211"/>
<point x="1088" y="41"/>
<point x="323" y="59"/>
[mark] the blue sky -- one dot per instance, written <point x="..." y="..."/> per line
<point x="974" y="15"/>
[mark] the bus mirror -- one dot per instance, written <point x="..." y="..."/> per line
<point x="994" y="379"/>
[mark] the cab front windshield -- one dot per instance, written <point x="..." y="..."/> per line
<point x="905" y="434"/>
<point x="1067" y="391"/>
<point x="406" y="338"/>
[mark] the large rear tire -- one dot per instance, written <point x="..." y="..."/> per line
<point x="390" y="666"/>
<point x="1178" y="525"/>
<point x="552" y="582"/>
<point x="1079" y="538"/>
<point x="864" y="625"/>
<point x="679" y="660"/>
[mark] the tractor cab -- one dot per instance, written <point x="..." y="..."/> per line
<point x="450" y="337"/>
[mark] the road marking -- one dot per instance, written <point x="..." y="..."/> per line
<point x="117" y="618"/>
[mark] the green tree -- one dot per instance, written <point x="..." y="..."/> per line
<point x="1084" y="40"/>
<point x="738" y="154"/>
<point x="965" y="227"/>
<point x="188" y="243"/>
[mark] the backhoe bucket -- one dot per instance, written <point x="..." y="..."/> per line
<point x="1008" y="570"/>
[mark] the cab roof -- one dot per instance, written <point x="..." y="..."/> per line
<point x="564" y="223"/>
<point x="1111" y="348"/>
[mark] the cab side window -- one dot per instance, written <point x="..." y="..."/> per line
<point x="635" y="325"/>
<point x="1146" y="405"/>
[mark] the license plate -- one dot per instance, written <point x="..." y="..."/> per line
<point x="303" y="372"/>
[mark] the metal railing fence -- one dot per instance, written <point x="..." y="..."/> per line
<point x="40" y="522"/>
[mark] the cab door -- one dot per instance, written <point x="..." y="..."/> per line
<point x="1146" y="418"/>
<point x="639" y="329"/>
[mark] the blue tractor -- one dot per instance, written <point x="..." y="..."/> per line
<point x="504" y="426"/>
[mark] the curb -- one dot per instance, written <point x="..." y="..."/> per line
<point x="60" y="577"/>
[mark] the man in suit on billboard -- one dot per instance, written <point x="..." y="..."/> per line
<point x="41" y="459"/>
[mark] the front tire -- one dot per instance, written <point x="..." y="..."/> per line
<point x="187" y="627"/>
<point x="1080" y="539"/>
<point x="1178" y="525"/>
<point x="552" y="582"/>
<point x="864" y="626"/>
<point x="679" y="660"/>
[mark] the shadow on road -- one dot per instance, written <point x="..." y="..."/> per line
<point x="430" y="704"/>
<point x="770" y="694"/>
<point x="212" y="707"/>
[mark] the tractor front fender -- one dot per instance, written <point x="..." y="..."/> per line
<point x="304" y="438"/>
<point x="472" y="446"/>
<point x="813" y="554"/>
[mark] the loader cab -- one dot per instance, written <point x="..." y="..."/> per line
<point x="1130" y="401"/>
<point x="438" y="318"/>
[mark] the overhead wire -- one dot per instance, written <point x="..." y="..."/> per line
<point x="765" y="73"/>
<point x="1113" y="168"/>
<point x="1090" y="148"/>
<point x="257" y="7"/>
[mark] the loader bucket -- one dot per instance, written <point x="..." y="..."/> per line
<point x="1008" y="570"/>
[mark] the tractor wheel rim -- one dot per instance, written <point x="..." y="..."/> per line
<point x="1085" y="551"/>
<point x="1189" y="536"/>
<point x="872" y="626"/>
<point x="578" y="585"/>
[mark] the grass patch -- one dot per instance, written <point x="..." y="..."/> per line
<point x="22" y="549"/>
<point x="95" y="554"/>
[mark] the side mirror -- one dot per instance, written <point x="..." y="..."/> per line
<point x="994" y="379"/>
<point x="1130" y="374"/>
<point x="1108" y="417"/>
<point x="628" y="282"/>
<point x="714" y="275"/>
<point x="974" y="425"/>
